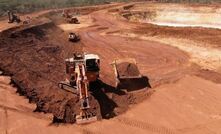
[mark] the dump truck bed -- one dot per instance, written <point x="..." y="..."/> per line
<point x="126" y="69"/>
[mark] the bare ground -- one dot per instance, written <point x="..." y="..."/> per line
<point x="184" y="97"/>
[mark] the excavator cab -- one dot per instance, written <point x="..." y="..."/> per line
<point x="92" y="63"/>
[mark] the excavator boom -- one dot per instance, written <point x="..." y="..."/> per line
<point x="83" y="84"/>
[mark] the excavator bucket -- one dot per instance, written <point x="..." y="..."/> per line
<point x="12" y="17"/>
<point x="85" y="119"/>
<point x="127" y="74"/>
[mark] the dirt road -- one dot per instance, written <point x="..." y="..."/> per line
<point x="145" y="52"/>
<point x="184" y="98"/>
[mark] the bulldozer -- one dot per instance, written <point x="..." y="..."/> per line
<point x="81" y="70"/>
<point x="12" y="17"/>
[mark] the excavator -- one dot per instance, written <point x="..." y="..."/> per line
<point x="12" y="17"/>
<point x="81" y="69"/>
<point x="70" y="18"/>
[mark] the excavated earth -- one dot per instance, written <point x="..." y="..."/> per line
<point x="165" y="101"/>
<point x="127" y="69"/>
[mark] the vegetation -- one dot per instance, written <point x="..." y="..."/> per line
<point x="25" y="6"/>
<point x="191" y="1"/>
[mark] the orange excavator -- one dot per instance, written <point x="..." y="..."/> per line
<point x="81" y="70"/>
<point x="12" y="17"/>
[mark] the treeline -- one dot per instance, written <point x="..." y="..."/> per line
<point x="191" y="1"/>
<point x="25" y="6"/>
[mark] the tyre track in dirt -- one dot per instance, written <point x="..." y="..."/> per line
<point x="87" y="131"/>
<point x="31" y="114"/>
<point x="145" y="126"/>
<point x="199" y="126"/>
<point x="103" y="43"/>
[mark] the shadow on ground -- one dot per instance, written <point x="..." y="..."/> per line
<point x="111" y="98"/>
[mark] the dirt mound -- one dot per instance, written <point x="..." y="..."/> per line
<point x="126" y="69"/>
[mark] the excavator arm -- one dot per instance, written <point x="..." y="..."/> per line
<point x="82" y="86"/>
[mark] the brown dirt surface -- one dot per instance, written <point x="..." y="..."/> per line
<point x="196" y="22"/>
<point x="201" y="35"/>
